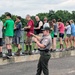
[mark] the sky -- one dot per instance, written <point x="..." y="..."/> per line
<point x="33" y="7"/>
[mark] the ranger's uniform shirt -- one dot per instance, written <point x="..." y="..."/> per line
<point x="46" y="41"/>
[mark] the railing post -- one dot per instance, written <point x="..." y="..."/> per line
<point x="22" y="39"/>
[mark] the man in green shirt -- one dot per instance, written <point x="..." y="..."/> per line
<point x="9" y="32"/>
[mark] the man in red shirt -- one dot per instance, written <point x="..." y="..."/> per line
<point x="30" y="29"/>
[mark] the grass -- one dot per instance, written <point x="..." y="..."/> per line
<point x="14" y="48"/>
<point x="33" y="44"/>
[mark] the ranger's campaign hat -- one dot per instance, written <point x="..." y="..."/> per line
<point x="46" y="28"/>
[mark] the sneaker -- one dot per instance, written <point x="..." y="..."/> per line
<point x="9" y="53"/>
<point x="51" y="50"/>
<point x="6" y="57"/>
<point x="54" y="50"/>
<point x="36" y="52"/>
<point x="67" y="49"/>
<point x="30" y="52"/>
<point x="57" y="50"/>
<point x="26" y="52"/>
<point x="33" y="51"/>
<point x="72" y="48"/>
<point x="61" y="50"/>
<point x="17" y="53"/>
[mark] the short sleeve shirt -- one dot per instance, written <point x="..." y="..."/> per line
<point x="46" y="25"/>
<point x="9" y="25"/>
<point x="68" y="29"/>
<point x="31" y="30"/>
<point x="46" y="41"/>
<point x="73" y="28"/>
<point x="61" y="28"/>
<point x="18" y="29"/>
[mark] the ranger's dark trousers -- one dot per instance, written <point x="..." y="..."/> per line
<point x="43" y="63"/>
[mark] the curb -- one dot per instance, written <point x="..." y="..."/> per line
<point x="17" y="59"/>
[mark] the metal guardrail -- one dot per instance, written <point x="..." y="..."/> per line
<point x="22" y="39"/>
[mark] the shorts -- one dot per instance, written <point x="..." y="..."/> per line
<point x="8" y="40"/>
<point x="55" y="35"/>
<point x="29" y="40"/>
<point x="68" y="35"/>
<point x="73" y="34"/>
<point x="1" y="42"/>
<point x="61" y="35"/>
<point x="17" y="40"/>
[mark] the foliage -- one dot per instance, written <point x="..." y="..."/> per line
<point x="63" y="14"/>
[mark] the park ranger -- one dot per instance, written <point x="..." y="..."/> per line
<point x="44" y="45"/>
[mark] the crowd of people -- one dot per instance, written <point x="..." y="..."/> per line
<point x="57" y="30"/>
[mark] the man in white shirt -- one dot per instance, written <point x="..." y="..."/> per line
<point x="46" y="24"/>
<point x="1" y="42"/>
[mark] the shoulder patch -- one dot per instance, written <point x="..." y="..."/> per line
<point x="46" y="40"/>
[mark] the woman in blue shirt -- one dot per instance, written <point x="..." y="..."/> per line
<point x="68" y="35"/>
<point x="72" y="34"/>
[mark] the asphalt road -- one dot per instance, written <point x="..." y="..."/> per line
<point x="61" y="66"/>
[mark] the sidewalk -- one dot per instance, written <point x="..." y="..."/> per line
<point x="16" y="59"/>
